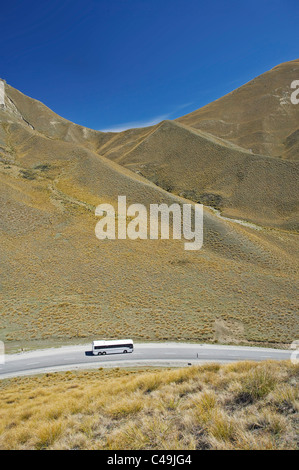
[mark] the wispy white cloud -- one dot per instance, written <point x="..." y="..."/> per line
<point x="147" y="123"/>
<point x="136" y="124"/>
<point x="182" y="106"/>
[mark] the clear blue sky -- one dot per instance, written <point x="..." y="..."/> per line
<point x="110" y="64"/>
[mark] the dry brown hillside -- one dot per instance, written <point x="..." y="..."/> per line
<point x="238" y="154"/>
<point x="195" y="164"/>
<point x="59" y="283"/>
<point x="205" y="169"/>
<point x="258" y="116"/>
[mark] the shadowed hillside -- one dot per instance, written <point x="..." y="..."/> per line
<point x="197" y="166"/>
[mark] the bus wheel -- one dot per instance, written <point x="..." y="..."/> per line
<point x="104" y="354"/>
<point x="125" y="351"/>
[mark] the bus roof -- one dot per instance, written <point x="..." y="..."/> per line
<point x="112" y="342"/>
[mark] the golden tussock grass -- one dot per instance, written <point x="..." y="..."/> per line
<point x="238" y="406"/>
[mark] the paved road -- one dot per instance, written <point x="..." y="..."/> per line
<point x="150" y="354"/>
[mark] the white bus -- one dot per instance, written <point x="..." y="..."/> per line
<point x="122" y="346"/>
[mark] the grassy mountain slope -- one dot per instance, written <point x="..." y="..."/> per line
<point x="195" y="165"/>
<point x="258" y="116"/>
<point x="59" y="283"/>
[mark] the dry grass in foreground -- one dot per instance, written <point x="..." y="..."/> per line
<point x="237" y="406"/>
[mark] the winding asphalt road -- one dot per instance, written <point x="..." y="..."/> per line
<point x="148" y="354"/>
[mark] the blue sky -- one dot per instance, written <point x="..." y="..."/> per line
<point x="114" y="64"/>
